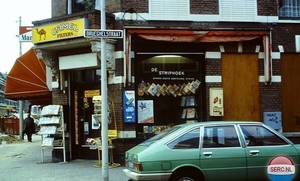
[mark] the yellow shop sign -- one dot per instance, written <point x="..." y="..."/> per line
<point x="91" y="93"/>
<point x="59" y="31"/>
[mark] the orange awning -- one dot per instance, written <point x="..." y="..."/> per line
<point x="27" y="80"/>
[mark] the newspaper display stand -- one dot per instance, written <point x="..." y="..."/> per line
<point x="52" y="123"/>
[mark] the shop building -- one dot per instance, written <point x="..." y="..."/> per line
<point x="178" y="61"/>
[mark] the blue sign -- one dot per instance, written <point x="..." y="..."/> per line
<point x="273" y="119"/>
<point x="129" y="106"/>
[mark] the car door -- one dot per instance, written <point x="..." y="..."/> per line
<point x="222" y="155"/>
<point x="262" y="146"/>
<point x="185" y="149"/>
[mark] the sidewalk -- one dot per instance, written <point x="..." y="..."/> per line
<point x="23" y="161"/>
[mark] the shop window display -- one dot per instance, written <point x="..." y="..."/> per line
<point x="167" y="93"/>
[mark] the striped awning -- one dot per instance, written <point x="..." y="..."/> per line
<point x="27" y="80"/>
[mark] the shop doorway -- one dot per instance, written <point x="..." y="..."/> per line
<point x="290" y="77"/>
<point x="85" y="84"/>
<point x="241" y="88"/>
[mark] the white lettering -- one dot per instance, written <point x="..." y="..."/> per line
<point x="171" y="72"/>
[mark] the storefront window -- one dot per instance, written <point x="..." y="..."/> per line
<point x="168" y="89"/>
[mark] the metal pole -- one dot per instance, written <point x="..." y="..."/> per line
<point x="20" y="102"/>
<point x="104" y="117"/>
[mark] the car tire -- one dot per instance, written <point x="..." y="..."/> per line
<point x="185" y="176"/>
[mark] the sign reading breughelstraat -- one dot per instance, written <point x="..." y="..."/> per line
<point x="95" y="33"/>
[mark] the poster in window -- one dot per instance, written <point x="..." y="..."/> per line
<point x="190" y="113"/>
<point x="129" y="106"/>
<point x="145" y="111"/>
<point x="96" y="123"/>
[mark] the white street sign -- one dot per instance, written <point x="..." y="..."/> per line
<point x="95" y="33"/>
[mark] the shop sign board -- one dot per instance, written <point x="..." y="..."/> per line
<point x="91" y="93"/>
<point x="273" y="119"/>
<point x="96" y="33"/>
<point x="59" y="31"/>
<point x="25" y="33"/>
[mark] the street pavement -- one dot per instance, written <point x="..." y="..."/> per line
<point x="23" y="161"/>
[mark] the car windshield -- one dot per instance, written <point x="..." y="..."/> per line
<point x="160" y="136"/>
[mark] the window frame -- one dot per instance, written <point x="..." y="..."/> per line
<point x="289" y="10"/>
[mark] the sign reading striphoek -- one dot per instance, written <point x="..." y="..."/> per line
<point x="95" y="33"/>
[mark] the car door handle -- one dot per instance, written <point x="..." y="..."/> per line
<point x="254" y="152"/>
<point x="207" y="153"/>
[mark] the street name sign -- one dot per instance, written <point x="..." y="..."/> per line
<point x="95" y="33"/>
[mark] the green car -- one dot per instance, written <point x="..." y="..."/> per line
<point x="220" y="150"/>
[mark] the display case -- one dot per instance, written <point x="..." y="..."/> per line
<point x="52" y="124"/>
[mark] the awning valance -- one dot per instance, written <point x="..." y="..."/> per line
<point x="213" y="36"/>
<point x="197" y="36"/>
<point x="27" y="80"/>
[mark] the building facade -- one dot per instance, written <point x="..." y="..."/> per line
<point x="178" y="61"/>
<point x="7" y="106"/>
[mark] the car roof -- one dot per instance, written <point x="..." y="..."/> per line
<point x="206" y="123"/>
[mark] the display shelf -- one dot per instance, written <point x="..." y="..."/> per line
<point x="189" y="109"/>
<point x="52" y="124"/>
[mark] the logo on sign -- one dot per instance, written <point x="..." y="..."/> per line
<point x="25" y="33"/>
<point x="281" y="168"/>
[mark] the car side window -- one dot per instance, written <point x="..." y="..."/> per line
<point x="188" y="140"/>
<point x="257" y="135"/>
<point x="220" y="136"/>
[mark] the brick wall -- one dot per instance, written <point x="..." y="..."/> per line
<point x="204" y="7"/>
<point x="284" y="34"/>
<point x="140" y="6"/>
<point x="267" y="8"/>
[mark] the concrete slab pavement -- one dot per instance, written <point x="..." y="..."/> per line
<point x="23" y="161"/>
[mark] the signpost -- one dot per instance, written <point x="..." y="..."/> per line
<point x="21" y="136"/>
<point x="103" y="34"/>
<point x="95" y="33"/>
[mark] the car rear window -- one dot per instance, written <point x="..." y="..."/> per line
<point x="160" y="136"/>
<point x="186" y="141"/>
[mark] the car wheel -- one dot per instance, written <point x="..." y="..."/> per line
<point x="186" y="176"/>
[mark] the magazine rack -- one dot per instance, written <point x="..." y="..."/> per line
<point x="189" y="111"/>
<point x="52" y="122"/>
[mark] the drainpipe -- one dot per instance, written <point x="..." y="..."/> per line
<point x="268" y="59"/>
<point x="127" y="60"/>
<point x="69" y="6"/>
